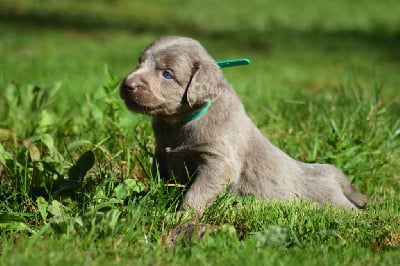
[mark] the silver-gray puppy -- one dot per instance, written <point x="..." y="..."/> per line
<point x="204" y="135"/>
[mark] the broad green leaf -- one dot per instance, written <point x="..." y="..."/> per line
<point x="77" y="144"/>
<point x="55" y="208"/>
<point x="112" y="217"/>
<point x="121" y="191"/>
<point x="48" y="141"/>
<point x="133" y="185"/>
<point x="42" y="207"/>
<point x="274" y="236"/>
<point x="46" y="119"/>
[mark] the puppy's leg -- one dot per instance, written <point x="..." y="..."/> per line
<point x="210" y="181"/>
<point x="344" y="194"/>
<point x="351" y="193"/>
<point x="326" y="183"/>
<point x="340" y="200"/>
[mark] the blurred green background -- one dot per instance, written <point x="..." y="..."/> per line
<point x="308" y="47"/>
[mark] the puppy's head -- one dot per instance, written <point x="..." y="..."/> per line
<point x="174" y="77"/>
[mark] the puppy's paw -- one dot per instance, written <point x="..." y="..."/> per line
<point x="188" y="232"/>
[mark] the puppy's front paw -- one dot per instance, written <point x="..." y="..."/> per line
<point x="187" y="208"/>
<point x="187" y="233"/>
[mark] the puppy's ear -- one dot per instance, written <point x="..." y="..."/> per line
<point x="206" y="84"/>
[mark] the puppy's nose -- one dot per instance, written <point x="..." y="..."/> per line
<point x="132" y="85"/>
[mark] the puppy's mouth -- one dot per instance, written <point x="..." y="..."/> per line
<point x="147" y="104"/>
<point x="159" y="111"/>
<point x="139" y="107"/>
<point x="138" y="101"/>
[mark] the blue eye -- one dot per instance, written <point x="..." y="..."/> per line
<point x="167" y="74"/>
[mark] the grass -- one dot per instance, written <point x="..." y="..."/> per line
<point x="74" y="163"/>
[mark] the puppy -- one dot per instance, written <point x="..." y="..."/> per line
<point x="204" y="136"/>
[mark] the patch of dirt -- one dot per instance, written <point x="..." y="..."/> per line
<point x="393" y="239"/>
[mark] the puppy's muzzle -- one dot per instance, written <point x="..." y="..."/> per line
<point x="131" y="88"/>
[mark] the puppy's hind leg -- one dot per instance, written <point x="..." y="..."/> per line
<point x="359" y="199"/>
<point x="351" y="193"/>
<point x="341" y="200"/>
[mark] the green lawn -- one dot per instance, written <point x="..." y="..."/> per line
<point x="75" y="185"/>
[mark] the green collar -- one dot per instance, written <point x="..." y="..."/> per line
<point x="222" y="64"/>
<point x="198" y="114"/>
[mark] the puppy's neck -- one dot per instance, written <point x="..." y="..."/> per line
<point x="179" y="120"/>
<point x="196" y="115"/>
